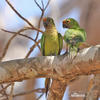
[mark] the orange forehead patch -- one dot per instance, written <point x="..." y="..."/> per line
<point x="64" y="21"/>
<point x="44" y="19"/>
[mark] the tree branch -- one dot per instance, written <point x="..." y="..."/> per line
<point x="39" y="90"/>
<point x="56" y="67"/>
<point x="11" y="32"/>
<point x="29" y="23"/>
<point x="57" y="90"/>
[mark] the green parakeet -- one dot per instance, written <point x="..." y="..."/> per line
<point x="74" y="36"/>
<point x="51" y="43"/>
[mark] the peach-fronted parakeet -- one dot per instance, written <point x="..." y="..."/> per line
<point x="74" y="36"/>
<point x="51" y="42"/>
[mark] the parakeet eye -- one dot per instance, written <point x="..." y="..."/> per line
<point x="48" y="20"/>
<point x="68" y="21"/>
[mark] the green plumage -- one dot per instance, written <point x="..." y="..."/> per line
<point x="74" y="36"/>
<point x="51" y="42"/>
<point x="51" y="45"/>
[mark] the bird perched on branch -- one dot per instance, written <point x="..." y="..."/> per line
<point x="51" y="43"/>
<point x="74" y="36"/>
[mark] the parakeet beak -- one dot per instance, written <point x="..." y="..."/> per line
<point x="44" y="19"/>
<point x="45" y="23"/>
<point x="65" y="24"/>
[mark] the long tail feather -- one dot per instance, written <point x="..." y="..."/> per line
<point x="47" y="85"/>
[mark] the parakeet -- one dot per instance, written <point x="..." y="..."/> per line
<point x="51" y="43"/>
<point x="74" y="36"/>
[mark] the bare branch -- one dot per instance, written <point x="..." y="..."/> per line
<point x="38" y="5"/>
<point x="4" y="88"/>
<point x="10" y="40"/>
<point x="93" y="88"/>
<point x="60" y="67"/>
<point x="39" y="24"/>
<point x="4" y="91"/>
<point x="42" y="14"/>
<point x="34" y="28"/>
<point x="15" y="34"/>
<point x="47" y="5"/>
<point x="39" y="90"/>
<point x="7" y="45"/>
<point x="56" y="88"/>
<point x="40" y="96"/>
<point x="19" y="13"/>
<point x="18" y="34"/>
<point x="32" y="48"/>
<point x="42" y="4"/>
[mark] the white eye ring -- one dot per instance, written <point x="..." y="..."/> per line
<point x="68" y="21"/>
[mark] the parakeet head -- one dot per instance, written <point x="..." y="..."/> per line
<point x="48" y="22"/>
<point x="70" y="23"/>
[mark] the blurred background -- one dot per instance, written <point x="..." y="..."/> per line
<point x="86" y="12"/>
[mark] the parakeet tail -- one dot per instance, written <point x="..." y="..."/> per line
<point x="47" y="85"/>
<point x="73" y="52"/>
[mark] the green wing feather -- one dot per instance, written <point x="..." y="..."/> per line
<point x="74" y="38"/>
<point x="42" y="45"/>
<point x="75" y="35"/>
<point x="84" y="34"/>
<point x="60" y="39"/>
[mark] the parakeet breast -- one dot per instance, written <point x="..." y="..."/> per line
<point x="51" y="44"/>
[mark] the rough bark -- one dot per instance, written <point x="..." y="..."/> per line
<point x="94" y="89"/>
<point x="57" y="90"/>
<point x="59" y="67"/>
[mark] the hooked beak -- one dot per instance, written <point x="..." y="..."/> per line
<point x="64" y="24"/>
<point x="45" y="23"/>
<point x="44" y="19"/>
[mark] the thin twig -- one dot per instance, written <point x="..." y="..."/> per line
<point x="7" y="45"/>
<point x="39" y="24"/>
<point x="42" y="14"/>
<point x="19" y="14"/>
<point x="4" y="88"/>
<point x="29" y="23"/>
<point x="47" y="5"/>
<point x="40" y="96"/>
<point x="39" y="90"/>
<point x="32" y="48"/>
<point x="18" y="34"/>
<point x="21" y="34"/>
<point x="38" y="5"/>
<point x="4" y="91"/>
<point x="39" y="19"/>
<point x="9" y="41"/>
<point x="42" y="4"/>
